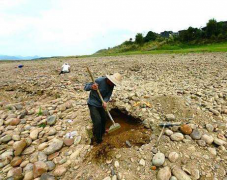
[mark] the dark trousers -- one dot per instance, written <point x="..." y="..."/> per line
<point x="98" y="116"/>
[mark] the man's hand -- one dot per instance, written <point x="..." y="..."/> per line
<point x="104" y="105"/>
<point x="95" y="86"/>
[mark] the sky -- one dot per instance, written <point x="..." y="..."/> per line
<point x="80" y="27"/>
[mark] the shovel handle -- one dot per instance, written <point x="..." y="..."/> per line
<point x="93" y="80"/>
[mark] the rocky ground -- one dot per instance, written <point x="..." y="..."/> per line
<point x="46" y="131"/>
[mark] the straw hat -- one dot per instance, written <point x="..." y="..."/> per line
<point x="116" y="78"/>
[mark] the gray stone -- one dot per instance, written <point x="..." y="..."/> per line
<point x="201" y="143"/>
<point x="54" y="146"/>
<point x="50" y="165"/>
<point x="210" y="127"/>
<point x="158" y="159"/>
<point x="196" y="134"/>
<point x="42" y="156"/>
<point x="46" y="176"/>
<point x="51" y="120"/>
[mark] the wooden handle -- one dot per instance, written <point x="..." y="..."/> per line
<point x="93" y="80"/>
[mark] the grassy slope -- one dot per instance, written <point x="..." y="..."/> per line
<point x="165" y="49"/>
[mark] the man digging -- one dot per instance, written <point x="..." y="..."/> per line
<point x="96" y="107"/>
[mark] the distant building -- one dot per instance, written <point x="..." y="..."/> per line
<point x="166" y="34"/>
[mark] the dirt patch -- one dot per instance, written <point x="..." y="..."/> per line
<point x="131" y="133"/>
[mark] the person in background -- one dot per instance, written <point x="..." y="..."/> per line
<point x="65" y="68"/>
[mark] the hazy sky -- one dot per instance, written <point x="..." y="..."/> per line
<point x="77" y="27"/>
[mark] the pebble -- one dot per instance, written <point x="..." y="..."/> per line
<point x="168" y="132"/>
<point x="16" y="161"/>
<point x="6" y="138"/>
<point x="207" y="138"/>
<point x="173" y="156"/>
<point x="186" y="129"/>
<point x="28" y="175"/>
<point x="210" y="127"/>
<point x="116" y="164"/>
<point x="142" y="162"/>
<point x="19" y="147"/>
<point x="158" y="159"/>
<point x="68" y="141"/>
<point x="39" y="168"/>
<point x="42" y="146"/>
<point x="201" y="143"/>
<point x="50" y="165"/>
<point x="54" y="146"/>
<point x="34" y="134"/>
<point x="219" y="142"/>
<point x="164" y="173"/>
<point x="51" y="120"/>
<point x="180" y="174"/>
<point x="196" y="134"/>
<point x="170" y="117"/>
<point x="46" y="176"/>
<point x="29" y="150"/>
<point x="59" y="171"/>
<point x="177" y="137"/>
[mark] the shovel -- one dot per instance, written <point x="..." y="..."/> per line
<point x="115" y="126"/>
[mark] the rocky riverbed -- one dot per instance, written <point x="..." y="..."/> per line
<point x="46" y="131"/>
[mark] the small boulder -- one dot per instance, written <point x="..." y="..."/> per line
<point x="16" y="161"/>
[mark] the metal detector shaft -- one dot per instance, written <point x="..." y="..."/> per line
<point x="100" y="96"/>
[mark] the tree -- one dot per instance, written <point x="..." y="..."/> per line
<point x="151" y="36"/>
<point x="212" y="28"/>
<point x="139" y="39"/>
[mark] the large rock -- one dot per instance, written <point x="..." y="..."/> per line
<point x="54" y="146"/>
<point x="39" y="168"/>
<point x="177" y="137"/>
<point x="164" y="173"/>
<point x="19" y="147"/>
<point x="180" y="174"/>
<point x="158" y="159"/>
<point x="196" y="134"/>
<point x="51" y="120"/>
